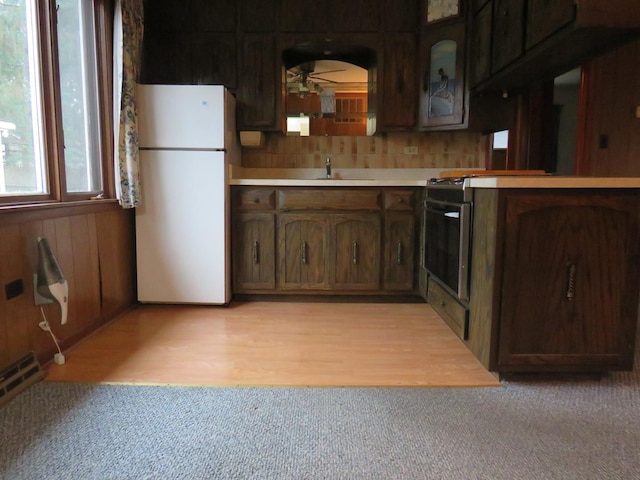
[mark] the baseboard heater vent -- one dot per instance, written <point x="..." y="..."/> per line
<point x="18" y="376"/>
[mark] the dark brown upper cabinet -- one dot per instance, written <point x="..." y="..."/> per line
<point x="443" y="95"/>
<point x="397" y="91"/>
<point x="480" y="65"/>
<point x="534" y="41"/>
<point x="213" y="15"/>
<point x="166" y="58"/>
<point x="304" y="15"/>
<point x="258" y="83"/>
<point x="546" y="17"/>
<point x="403" y="19"/>
<point x="354" y="16"/>
<point x="214" y="59"/>
<point x="508" y="30"/>
<point x="257" y="15"/>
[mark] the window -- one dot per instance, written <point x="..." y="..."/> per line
<point x="50" y="100"/>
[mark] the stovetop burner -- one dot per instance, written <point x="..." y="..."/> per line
<point x="446" y="181"/>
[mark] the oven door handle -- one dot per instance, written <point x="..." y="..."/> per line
<point x="451" y="212"/>
<point x="441" y="203"/>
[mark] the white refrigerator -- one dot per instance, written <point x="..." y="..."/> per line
<point x="188" y="139"/>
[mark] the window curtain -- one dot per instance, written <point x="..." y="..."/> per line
<point x="127" y="52"/>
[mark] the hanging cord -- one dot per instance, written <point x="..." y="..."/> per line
<point x="44" y="325"/>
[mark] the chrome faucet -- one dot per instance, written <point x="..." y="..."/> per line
<point x="327" y="164"/>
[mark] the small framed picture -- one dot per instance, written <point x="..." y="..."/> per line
<point x="442" y="10"/>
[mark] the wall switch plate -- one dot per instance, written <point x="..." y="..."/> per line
<point x="410" y="150"/>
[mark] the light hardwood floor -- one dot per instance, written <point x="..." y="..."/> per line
<point x="276" y="344"/>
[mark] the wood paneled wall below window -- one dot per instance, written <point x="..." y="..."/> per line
<point x="95" y="247"/>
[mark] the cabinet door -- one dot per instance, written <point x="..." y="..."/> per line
<point x="443" y="89"/>
<point x="303" y="247"/>
<point x="480" y="66"/>
<point x="212" y="15"/>
<point x="546" y="16"/>
<point x="397" y="91"/>
<point x="304" y="15"/>
<point x="257" y="91"/>
<point x="166" y="58"/>
<point x="254" y="252"/>
<point x="508" y="32"/>
<point x="403" y="19"/>
<point x="357" y="251"/>
<point x="399" y="244"/>
<point x="214" y="59"/>
<point x="257" y="15"/>
<point x="570" y="287"/>
<point x="354" y="16"/>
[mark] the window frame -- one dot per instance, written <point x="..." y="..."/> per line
<point x="52" y="131"/>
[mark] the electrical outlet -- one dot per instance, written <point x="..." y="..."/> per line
<point x="13" y="289"/>
<point x="410" y="150"/>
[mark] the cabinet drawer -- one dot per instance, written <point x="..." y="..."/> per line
<point x="254" y="198"/>
<point x="452" y="312"/>
<point x="399" y="200"/>
<point x="328" y="199"/>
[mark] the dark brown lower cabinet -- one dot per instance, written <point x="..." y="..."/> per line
<point x="356" y="256"/>
<point x="303" y="247"/>
<point x="555" y="279"/>
<point x="324" y="240"/>
<point x="254" y="251"/>
<point x="399" y="247"/>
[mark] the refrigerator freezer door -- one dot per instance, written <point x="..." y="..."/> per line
<point x="181" y="228"/>
<point x="181" y="116"/>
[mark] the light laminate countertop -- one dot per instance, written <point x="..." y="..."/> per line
<point x="552" y="181"/>
<point x="365" y="177"/>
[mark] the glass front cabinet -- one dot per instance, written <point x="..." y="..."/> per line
<point x="443" y="92"/>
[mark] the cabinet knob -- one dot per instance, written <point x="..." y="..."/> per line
<point x="400" y="200"/>
<point x="256" y="200"/>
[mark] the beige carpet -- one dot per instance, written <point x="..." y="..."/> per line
<point x="276" y="344"/>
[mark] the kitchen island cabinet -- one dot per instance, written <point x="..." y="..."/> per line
<point x="554" y="279"/>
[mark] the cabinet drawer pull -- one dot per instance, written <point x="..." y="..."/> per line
<point x="399" y="253"/>
<point x="354" y="247"/>
<point x="303" y="253"/>
<point x="571" y="282"/>
<point x="256" y="252"/>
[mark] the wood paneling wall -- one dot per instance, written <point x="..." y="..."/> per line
<point x="434" y="150"/>
<point x="95" y="246"/>
<point x="612" y="130"/>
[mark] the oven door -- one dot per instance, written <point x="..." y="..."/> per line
<point x="446" y="250"/>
